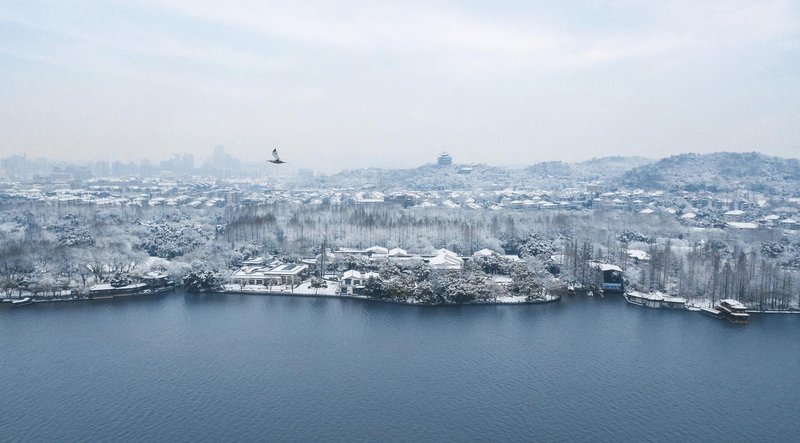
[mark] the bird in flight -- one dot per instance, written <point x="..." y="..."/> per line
<point x="277" y="160"/>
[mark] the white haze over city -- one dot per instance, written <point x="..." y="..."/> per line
<point x="339" y="85"/>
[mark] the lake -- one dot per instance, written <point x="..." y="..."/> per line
<point x="184" y="367"/>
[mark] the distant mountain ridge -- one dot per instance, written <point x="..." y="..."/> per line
<point x="545" y="175"/>
<point x="720" y="171"/>
<point x="603" y="168"/>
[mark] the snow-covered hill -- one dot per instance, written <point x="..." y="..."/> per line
<point x="545" y="175"/>
<point x="722" y="171"/>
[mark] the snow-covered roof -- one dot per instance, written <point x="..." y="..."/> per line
<point x="742" y="225"/>
<point x="398" y="252"/>
<point x="450" y="204"/>
<point x="607" y="267"/>
<point x="446" y="261"/>
<point x="107" y="286"/>
<point x="674" y="299"/>
<point x="352" y="273"/>
<point x="646" y="211"/>
<point x="655" y="296"/>
<point x="261" y="271"/>
<point x="485" y="252"/>
<point x="350" y="251"/>
<point x="689" y="215"/>
<point x="732" y="303"/>
<point x="254" y="261"/>
<point x="734" y="212"/>
<point x="638" y="254"/>
<point x="288" y="269"/>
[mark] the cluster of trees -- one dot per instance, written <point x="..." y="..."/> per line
<point x="424" y="286"/>
<point x="170" y="237"/>
<point x="701" y="269"/>
<point x="710" y="273"/>
<point x="44" y="250"/>
<point x="203" y="281"/>
<point x="45" y="247"/>
<point x="474" y="283"/>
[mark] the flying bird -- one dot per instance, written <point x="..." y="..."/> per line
<point x="277" y="160"/>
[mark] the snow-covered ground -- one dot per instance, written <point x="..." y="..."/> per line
<point x="302" y="289"/>
<point x="511" y="299"/>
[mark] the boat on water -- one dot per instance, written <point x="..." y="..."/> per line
<point x="733" y="311"/>
<point x="152" y="283"/>
<point x="106" y="290"/>
<point x="655" y="300"/>
<point x="21" y="301"/>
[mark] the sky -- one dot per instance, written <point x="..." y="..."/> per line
<point x="342" y="85"/>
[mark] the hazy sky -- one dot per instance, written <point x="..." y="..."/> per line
<point x="354" y="84"/>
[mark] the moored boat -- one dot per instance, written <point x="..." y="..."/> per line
<point x="733" y="311"/>
<point x="21" y="302"/>
<point x="646" y="299"/>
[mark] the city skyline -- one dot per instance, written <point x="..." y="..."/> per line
<point x="390" y="85"/>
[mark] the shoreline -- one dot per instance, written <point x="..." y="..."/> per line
<point x="556" y="298"/>
<point x="8" y="301"/>
<point x="80" y="297"/>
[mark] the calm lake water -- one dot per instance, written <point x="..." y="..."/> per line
<point x="183" y="367"/>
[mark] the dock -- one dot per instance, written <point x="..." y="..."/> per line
<point x="710" y="311"/>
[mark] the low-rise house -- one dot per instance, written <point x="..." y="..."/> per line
<point x="789" y="223"/>
<point x="446" y="259"/>
<point x="285" y="274"/>
<point x="377" y="252"/>
<point x="770" y="220"/>
<point x="637" y="255"/>
<point x="353" y="282"/>
<point x="398" y="252"/>
<point x="611" y="275"/>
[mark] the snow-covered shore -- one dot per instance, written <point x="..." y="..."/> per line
<point x="305" y="290"/>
